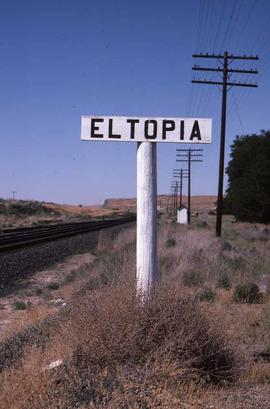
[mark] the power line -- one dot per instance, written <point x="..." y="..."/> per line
<point x="219" y="24"/>
<point x="235" y="22"/>
<point x="238" y="113"/>
<point x="246" y="21"/>
<point x="228" y="25"/>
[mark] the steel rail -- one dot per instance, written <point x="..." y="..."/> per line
<point x="35" y="235"/>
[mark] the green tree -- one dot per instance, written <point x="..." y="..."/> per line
<point x="248" y="193"/>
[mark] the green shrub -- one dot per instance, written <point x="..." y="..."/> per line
<point x="53" y="286"/>
<point x="39" y="291"/>
<point x="226" y="246"/>
<point x="192" y="279"/>
<point x="202" y="224"/>
<point x="234" y="263"/>
<point x="208" y="295"/>
<point x="104" y="278"/>
<point x="170" y="243"/>
<point x="19" y="305"/>
<point x="247" y="293"/>
<point x="70" y="277"/>
<point x="224" y="282"/>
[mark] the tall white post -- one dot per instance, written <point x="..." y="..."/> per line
<point x="146" y="217"/>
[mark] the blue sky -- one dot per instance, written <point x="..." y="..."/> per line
<point x="62" y="59"/>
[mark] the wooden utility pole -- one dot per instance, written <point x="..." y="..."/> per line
<point x="146" y="217"/>
<point x="174" y="195"/>
<point x="187" y="155"/>
<point x="181" y="174"/>
<point x="181" y="189"/>
<point x="225" y="60"/>
<point x="171" y="197"/>
<point x="222" y="146"/>
<point x="177" y="175"/>
<point x="168" y="202"/>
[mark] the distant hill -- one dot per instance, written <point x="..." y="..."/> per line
<point x="19" y="213"/>
<point x="22" y="213"/>
<point x="198" y="203"/>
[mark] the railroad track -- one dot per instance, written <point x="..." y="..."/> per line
<point x="12" y="239"/>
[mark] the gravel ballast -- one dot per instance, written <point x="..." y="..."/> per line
<point x="19" y="264"/>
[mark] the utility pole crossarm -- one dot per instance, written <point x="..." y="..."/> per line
<point x="187" y="150"/>
<point x="219" y="69"/>
<point x="230" y="84"/>
<point x="229" y="57"/>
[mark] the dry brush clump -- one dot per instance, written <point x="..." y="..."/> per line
<point x="119" y="352"/>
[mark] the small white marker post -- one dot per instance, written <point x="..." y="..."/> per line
<point x="146" y="217"/>
<point x="147" y="131"/>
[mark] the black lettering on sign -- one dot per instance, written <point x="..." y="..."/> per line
<point x="111" y="135"/>
<point x="182" y="130"/>
<point x="195" y="133"/>
<point x="153" y="124"/>
<point x="167" y="126"/>
<point x="94" y="127"/>
<point x="132" y="123"/>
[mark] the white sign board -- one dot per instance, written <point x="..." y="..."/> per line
<point x="142" y="129"/>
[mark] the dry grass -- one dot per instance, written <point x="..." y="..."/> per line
<point x="197" y="249"/>
<point x="166" y="353"/>
<point x="117" y="350"/>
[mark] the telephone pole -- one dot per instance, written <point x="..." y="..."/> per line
<point x="174" y="187"/>
<point x="181" y="174"/>
<point x="168" y="202"/>
<point x="225" y="60"/>
<point x="188" y="155"/>
<point x="171" y="206"/>
<point x="177" y="176"/>
<point x="171" y="199"/>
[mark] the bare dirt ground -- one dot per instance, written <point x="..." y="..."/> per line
<point x="42" y="295"/>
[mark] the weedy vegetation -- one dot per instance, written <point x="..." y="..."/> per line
<point x="190" y="345"/>
<point x="19" y="305"/>
<point x="247" y="293"/>
<point x="207" y="294"/>
<point x="53" y="286"/>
